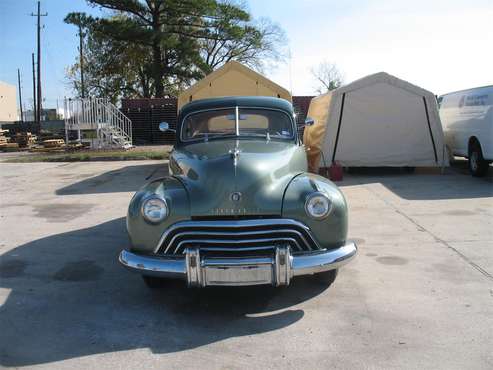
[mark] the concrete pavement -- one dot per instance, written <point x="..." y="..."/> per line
<point x="419" y="295"/>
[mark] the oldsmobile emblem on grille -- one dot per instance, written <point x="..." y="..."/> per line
<point x="236" y="196"/>
<point x="228" y="211"/>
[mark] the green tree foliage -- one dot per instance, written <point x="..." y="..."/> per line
<point x="155" y="48"/>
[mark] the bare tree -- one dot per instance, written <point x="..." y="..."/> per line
<point x="255" y="44"/>
<point x="328" y="77"/>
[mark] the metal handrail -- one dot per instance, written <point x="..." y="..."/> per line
<point x="100" y="114"/>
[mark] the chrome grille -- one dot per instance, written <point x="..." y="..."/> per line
<point x="237" y="235"/>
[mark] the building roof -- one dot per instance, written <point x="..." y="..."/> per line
<point x="385" y="78"/>
<point x="232" y="79"/>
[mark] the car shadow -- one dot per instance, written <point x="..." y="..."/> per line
<point x="126" y="179"/>
<point x="69" y="297"/>
<point x="424" y="183"/>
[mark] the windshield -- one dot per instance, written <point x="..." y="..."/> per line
<point x="243" y="122"/>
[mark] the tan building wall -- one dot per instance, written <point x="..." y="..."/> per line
<point x="232" y="79"/>
<point x="8" y="103"/>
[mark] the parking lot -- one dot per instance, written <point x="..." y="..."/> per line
<point x="419" y="294"/>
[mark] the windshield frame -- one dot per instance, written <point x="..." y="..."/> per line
<point x="237" y="135"/>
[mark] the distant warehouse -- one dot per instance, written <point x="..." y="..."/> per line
<point x="8" y="103"/>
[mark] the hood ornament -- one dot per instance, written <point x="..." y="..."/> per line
<point x="235" y="154"/>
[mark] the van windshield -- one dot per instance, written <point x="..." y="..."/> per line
<point x="238" y="122"/>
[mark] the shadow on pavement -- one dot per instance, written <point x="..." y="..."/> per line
<point x="424" y="183"/>
<point x="126" y="179"/>
<point x="69" y="297"/>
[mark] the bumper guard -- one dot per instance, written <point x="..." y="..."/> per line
<point x="201" y="271"/>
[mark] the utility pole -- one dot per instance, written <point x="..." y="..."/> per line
<point x="35" y="107"/>
<point x="38" y="93"/>
<point x="81" y="37"/>
<point x="20" y="94"/>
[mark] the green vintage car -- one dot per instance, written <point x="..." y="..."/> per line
<point x="239" y="207"/>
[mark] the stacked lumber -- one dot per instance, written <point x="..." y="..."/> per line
<point x="25" y="139"/>
<point x="3" y="138"/>
<point x="75" y="146"/>
<point x="50" y="146"/>
<point x="53" y="143"/>
<point x="5" y="144"/>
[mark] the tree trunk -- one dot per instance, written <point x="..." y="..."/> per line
<point x="157" y="71"/>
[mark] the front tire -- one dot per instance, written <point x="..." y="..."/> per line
<point x="478" y="167"/>
<point x="152" y="282"/>
<point x="450" y="154"/>
<point x="327" y="277"/>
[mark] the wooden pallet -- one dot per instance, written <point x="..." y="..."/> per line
<point x="53" y="143"/>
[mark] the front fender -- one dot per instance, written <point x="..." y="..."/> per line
<point x="330" y="232"/>
<point x="144" y="236"/>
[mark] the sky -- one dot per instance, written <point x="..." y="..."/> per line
<point x="440" y="45"/>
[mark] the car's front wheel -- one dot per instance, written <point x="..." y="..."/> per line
<point x="477" y="164"/>
<point x="152" y="282"/>
<point x="327" y="277"/>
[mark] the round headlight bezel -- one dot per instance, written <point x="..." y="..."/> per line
<point x="154" y="198"/>
<point x="310" y="198"/>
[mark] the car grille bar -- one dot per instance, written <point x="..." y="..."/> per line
<point x="238" y="235"/>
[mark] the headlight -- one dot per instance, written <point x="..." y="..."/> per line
<point x="318" y="205"/>
<point x="154" y="209"/>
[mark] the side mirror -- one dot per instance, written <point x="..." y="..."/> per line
<point x="309" y="121"/>
<point x="164" y="126"/>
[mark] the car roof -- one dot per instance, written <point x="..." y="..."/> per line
<point x="233" y="101"/>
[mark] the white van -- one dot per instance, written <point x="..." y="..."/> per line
<point x="467" y="120"/>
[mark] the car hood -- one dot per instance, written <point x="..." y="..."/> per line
<point x="237" y="177"/>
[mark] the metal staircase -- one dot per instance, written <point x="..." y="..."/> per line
<point x="113" y="129"/>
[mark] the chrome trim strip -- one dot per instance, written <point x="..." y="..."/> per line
<point x="246" y="249"/>
<point x="209" y="234"/>
<point x="237" y="122"/>
<point x="233" y="224"/>
<point x="234" y="242"/>
<point x="285" y="266"/>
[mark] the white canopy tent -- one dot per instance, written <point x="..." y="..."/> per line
<point x="378" y="120"/>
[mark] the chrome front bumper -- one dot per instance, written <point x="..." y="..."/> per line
<point x="201" y="271"/>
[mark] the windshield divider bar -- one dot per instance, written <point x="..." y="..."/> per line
<point x="237" y="121"/>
